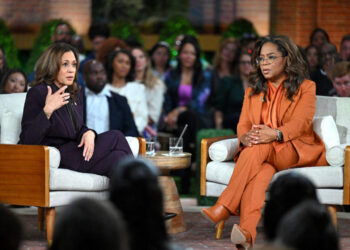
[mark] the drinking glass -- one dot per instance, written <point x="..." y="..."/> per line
<point x="150" y="151"/>
<point x="175" y="146"/>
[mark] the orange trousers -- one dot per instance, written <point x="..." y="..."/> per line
<point x="251" y="177"/>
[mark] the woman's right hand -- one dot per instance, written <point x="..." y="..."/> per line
<point x="55" y="101"/>
<point x="247" y="139"/>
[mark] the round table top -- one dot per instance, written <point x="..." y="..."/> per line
<point x="164" y="161"/>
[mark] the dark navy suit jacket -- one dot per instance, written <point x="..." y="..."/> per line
<point x="120" y="116"/>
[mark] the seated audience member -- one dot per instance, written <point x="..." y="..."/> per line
<point x="313" y="58"/>
<point x="120" y="72"/>
<point x="105" y="110"/>
<point x="308" y="226"/>
<point x="78" y="43"/>
<point x="155" y="89"/>
<point x="285" y="192"/>
<point x="90" y="224"/>
<point x="160" y="56"/>
<point x="330" y="56"/>
<point x="53" y="116"/>
<point x="107" y="47"/>
<point x="340" y="76"/>
<point x="247" y="42"/>
<point x="230" y="95"/>
<point x="10" y="229"/>
<point x="3" y="62"/>
<point x="14" y="81"/>
<point x="63" y="33"/>
<point x="319" y="37"/>
<point x="188" y="90"/>
<point x="98" y="33"/>
<point x="345" y="48"/>
<point x="135" y="191"/>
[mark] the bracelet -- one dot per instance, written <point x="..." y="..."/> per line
<point x="279" y="136"/>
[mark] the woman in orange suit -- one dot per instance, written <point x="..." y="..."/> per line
<point x="275" y="133"/>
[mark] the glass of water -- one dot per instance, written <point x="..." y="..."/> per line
<point x="150" y="151"/>
<point x="175" y="146"/>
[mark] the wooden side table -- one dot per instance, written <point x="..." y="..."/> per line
<point x="171" y="198"/>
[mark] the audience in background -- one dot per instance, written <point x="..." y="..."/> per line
<point x="330" y="56"/>
<point x="120" y="72"/>
<point x="62" y="33"/>
<point x="155" y="89"/>
<point x="13" y="81"/>
<point x="188" y="89"/>
<point x="230" y="95"/>
<point x="308" y="226"/>
<point x="3" y="62"/>
<point x="160" y="55"/>
<point x="90" y="224"/>
<point x="340" y="76"/>
<point x="319" y="37"/>
<point x="247" y="42"/>
<point x="345" y="48"/>
<point x="107" y="47"/>
<point x="78" y="42"/>
<point x="135" y="191"/>
<point x="285" y="192"/>
<point x="10" y="229"/>
<point x="105" y="110"/>
<point x="313" y="57"/>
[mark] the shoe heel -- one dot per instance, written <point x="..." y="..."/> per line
<point x="219" y="229"/>
<point x="238" y="238"/>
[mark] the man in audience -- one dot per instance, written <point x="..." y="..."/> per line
<point x="63" y="33"/>
<point x="345" y="48"/>
<point x="105" y="110"/>
<point x="340" y="76"/>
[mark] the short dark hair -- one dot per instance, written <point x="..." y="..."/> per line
<point x="339" y="69"/>
<point x="308" y="226"/>
<point x="99" y="28"/>
<point x="321" y="31"/>
<point x="285" y="192"/>
<point x="89" y="224"/>
<point x="344" y="39"/>
<point x="161" y="44"/>
<point x="10" y="229"/>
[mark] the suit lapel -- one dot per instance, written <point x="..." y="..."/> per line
<point x="285" y="103"/>
<point x="257" y="101"/>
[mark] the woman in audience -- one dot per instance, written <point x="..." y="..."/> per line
<point x="308" y="226"/>
<point x="14" y="81"/>
<point x="286" y="192"/>
<point x="53" y="116"/>
<point x="120" y="72"/>
<point x="313" y="56"/>
<point x="188" y="89"/>
<point x="275" y="133"/>
<point x="135" y="191"/>
<point x="155" y="89"/>
<point x="160" y="58"/>
<point x="90" y="224"/>
<point x="319" y="37"/>
<point x="230" y="94"/>
<point x="3" y="62"/>
<point x="225" y="63"/>
<point x="107" y="47"/>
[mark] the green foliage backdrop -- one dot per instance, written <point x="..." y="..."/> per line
<point x="239" y="28"/>
<point x="7" y="42"/>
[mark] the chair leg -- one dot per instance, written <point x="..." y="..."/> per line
<point x="41" y="211"/>
<point x="219" y="229"/>
<point x="50" y="221"/>
<point x="333" y="212"/>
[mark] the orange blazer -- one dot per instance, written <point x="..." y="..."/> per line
<point x="294" y="120"/>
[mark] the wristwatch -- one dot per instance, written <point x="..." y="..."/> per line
<point x="279" y="135"/>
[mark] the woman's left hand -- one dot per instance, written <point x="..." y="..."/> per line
<point x="88" y="141"/>
<point x="263" y="134"/>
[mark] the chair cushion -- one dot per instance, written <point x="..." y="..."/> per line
<point x="335" y="155"/>
<point x="325" y="177"/>
<point x="10" y="127"/>
<point x="62" y="198"/>
<point x="326" y="128"/>
<point x="134" y="144"/>
<point x="223" y="150"/>
<point x="55" y="157"/>
<point x="65" y="179"/>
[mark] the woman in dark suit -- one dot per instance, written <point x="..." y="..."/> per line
<point x="53" y="116"/>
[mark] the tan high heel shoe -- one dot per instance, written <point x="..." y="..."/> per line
<point x="241" y="237"/>
<point x="216" y="214"/>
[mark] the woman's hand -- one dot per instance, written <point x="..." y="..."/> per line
<point x="262" y="134"/>
<point x="171" y="119"/>
<point x="247" y="139"/>
<point x="88" y="141"/>
<point x="55" y="101"/>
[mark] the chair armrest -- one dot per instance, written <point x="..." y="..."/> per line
<point x="142" y="146"/>
<point x="205" y="144"/>
<point x="24" y="175"/>
<point x="346" y="188"/>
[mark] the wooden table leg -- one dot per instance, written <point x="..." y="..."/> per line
<point x="50" y="221"/>
<point x="172" y="205"/>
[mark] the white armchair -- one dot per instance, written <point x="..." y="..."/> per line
<point x="29" y="175"/>
<point x="331" y="123"/>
